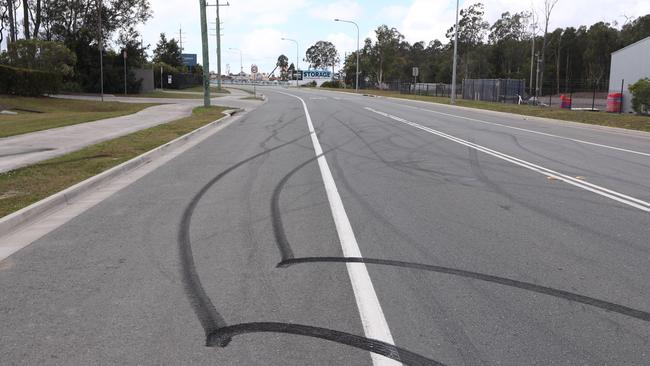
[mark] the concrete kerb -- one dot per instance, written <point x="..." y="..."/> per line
<point x="58" y="200"/>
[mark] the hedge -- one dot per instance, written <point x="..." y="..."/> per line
<point x="28" y="82"/>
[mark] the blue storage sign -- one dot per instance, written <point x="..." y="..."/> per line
<point x="189" y="59"/>
<point x="317" y="74"/>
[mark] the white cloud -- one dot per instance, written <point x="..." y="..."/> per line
<point x="262" y="47"/>
<point x="344" y="43"/>
<point x="338" y="9"/>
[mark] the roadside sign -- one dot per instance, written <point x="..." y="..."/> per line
<point x="416" y="71"/>
<point x="169" y="79"/>
<point x="189" y="59"/>
<point x="254" y="69"/>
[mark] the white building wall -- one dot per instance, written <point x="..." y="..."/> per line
<point x="629" y="64"/>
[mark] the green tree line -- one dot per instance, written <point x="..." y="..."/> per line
<point x="574" y="57"/>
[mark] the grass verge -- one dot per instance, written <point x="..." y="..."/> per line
<point x="629" y="121"/>
<point x="36" y="114"/>
<point x="167" y="94"/>
<point x="199" y="89"/>
<point x="21" y="187"/>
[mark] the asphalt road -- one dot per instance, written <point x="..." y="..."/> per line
<point x="425" y="233"/>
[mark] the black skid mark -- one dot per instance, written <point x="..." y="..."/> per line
<point x="225" y="334"/>
<point x="605" y="305"/>
<point x="203" y="307"/>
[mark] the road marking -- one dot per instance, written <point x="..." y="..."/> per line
<point x="533" y="131"/>
<point x="605" y="192"/>
<point x="372" y="316"/>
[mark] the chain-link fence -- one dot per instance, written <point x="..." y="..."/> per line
<point x="494" y="90"/>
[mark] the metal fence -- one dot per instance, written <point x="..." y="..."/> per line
<point x="494" y="90"/>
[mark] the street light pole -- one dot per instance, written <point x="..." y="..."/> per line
<point x="356" y="25"/>
<point x="217" y="5"/>
<point x="453" y="73"/>
<point x="297" y="52"/>
<point x="241" y="59"/>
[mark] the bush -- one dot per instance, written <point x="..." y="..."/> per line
<point x="641" y="96"/>
<point x="333" y="84"/>
<point x="40" y="55"/>
<point x="28" y="82"/>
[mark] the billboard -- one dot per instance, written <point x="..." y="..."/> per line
<point x="189" y="59"/>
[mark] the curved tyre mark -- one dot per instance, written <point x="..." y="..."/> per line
<point x="278" y="227"/>
<point x="203" y="307"/>
<point x="605" y="305"/>
<point x="224" y="334"/>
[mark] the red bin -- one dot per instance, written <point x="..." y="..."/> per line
<point x="614" y="102"/>
<point x="565" y="102"/>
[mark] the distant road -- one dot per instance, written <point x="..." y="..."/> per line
<point x="323" y="225"/>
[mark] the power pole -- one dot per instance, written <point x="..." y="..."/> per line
<point x="101" y="50"/>
<point x="206" y="55"/>
<point x="217" y="5"/>
<point x="453" y="72"/>
<point x="180" y="37"/>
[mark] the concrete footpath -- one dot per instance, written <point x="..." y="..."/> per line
<point x="22" y="150"/>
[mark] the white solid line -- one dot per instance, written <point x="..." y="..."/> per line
<point x="605" y="192"/>
<point x="532" y="131"/>
<point x="372" y="316"/>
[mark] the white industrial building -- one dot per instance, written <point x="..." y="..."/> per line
<point x="629" y="64"/>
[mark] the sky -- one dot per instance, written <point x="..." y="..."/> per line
<point x="257" y="26"/>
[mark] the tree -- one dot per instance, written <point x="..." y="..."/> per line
<point x="282" y="63"/>
<point x="548" y="9"/>
<point x="506" y="36"/>
<point x="602" y="40"/>
<point x="167" y="52"/>
<point x="471" y="33"/>
<point x="635" y="30"/>
<point x="385" y="50"/>
<point x="322" y="54"/>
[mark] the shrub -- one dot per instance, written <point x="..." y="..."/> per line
<point x="333" y="84"/>
<point x="40" y="55"/>
<point x="641" y="96"/>
<point x="28" y="82"/>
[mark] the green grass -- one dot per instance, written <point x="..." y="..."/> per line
<point x="36" y="114"/>
<point x="629" y="121"/>
<point x="199" y="89"/>
<point x="166" y="95"/>
<point x="21" y="187"/>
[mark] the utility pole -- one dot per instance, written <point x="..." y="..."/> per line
<point x="101" y="50"/>
<point x="453" y="72"/>
<point x="537" y="78"/>
<point x="217" y="5"/>
<point x="180" y="37"/>
<point x="206" y="55"/>
<point x="356" y="25"/>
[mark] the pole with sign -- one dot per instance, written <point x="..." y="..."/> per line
<point x="416" y="72"/>
<point x="254" y="71"/>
